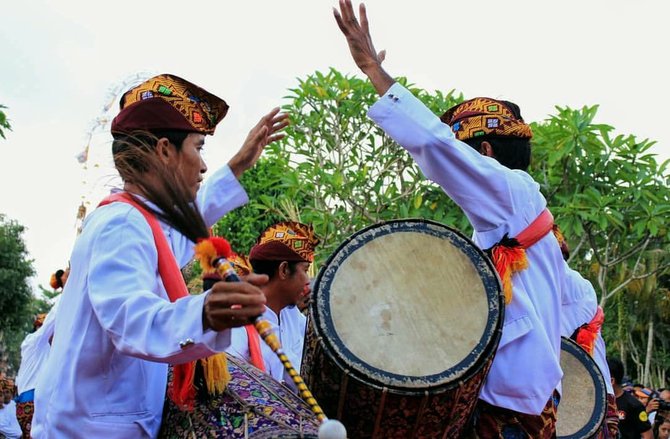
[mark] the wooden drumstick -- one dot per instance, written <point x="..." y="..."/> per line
<point x="264" y="328"/>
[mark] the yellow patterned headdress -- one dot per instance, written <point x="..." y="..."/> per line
<point x="485" y="116"/>
<point x="167" y="102"/>
<point x="240" y="264"/>
<point x="285" y="241"/>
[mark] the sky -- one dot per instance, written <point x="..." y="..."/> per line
<point x="63" y="61"/>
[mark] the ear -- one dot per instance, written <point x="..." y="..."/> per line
<point x="486" y="149"/>
<point x="284" y="272"/>
<point x="165" y="150"/>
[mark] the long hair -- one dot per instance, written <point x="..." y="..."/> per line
<point x="136" y="161"/>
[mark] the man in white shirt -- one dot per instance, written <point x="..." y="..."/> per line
<point x="478" y="153"/>
<point x="125" y="313"/>
<point x="284" y="253"/>
<point x="34" y="353"/>
<point x="582" y="320"/>
<point x="9" y="426"/>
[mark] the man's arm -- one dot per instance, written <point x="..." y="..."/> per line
<point x="480" y="185"/>
<point x="142" y="324"/>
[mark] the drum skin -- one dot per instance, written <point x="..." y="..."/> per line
<point x="583" y="406"/>
<point x="404" y="323"/>
<point x="254" y="405"/>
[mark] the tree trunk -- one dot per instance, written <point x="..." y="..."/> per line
<point x="646" y="375"/>
<point x="621" y="327"/>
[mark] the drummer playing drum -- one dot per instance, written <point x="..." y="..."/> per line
<point x="478" y="152"/>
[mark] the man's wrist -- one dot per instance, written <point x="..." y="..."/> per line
<point x="381" y="80"/>
<point x="236" y="168"/>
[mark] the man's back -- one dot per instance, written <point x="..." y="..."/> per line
<point x="498" y="201"/>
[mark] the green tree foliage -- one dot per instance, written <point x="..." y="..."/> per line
<point x="347" y="171"/>
<point x="608" y="193"/>
<point x="4" y="122"/>
<point x="17" y="305"/>
<point x="611" y="198"/>
<point x="15" y="269"/>
<point x="264" y="184"/>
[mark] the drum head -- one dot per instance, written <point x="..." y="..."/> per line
<point x="408" y="304"/>
<point x="581" y="411"/>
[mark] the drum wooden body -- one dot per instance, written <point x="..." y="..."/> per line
<point x="404" y="323"/>
<point x="582" y="409"/>
<point x="254" y="405"/>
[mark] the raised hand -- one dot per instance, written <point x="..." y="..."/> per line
<point x="232" y="304"/>
<point x="266" y="131"/>
<point x="360" y="44"/>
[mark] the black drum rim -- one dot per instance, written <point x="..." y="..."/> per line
<point x="432" y="384"/>
<point x="598" y="417"/>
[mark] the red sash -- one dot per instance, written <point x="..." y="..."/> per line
<point x="509" y="255"/>
<point x="181" y="390"/>
<point x="255" y="354"/>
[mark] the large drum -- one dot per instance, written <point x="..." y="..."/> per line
<point x="582" y="409"/>
<point x="404" y="323"/>
<point x="254" y="405"/>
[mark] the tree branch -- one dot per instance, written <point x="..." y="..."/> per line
<point x="639" y="247"/>
<point x="632" y="278"/>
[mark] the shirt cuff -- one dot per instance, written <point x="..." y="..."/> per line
<point x="223" y="193"/>
<point x="385" y="104"/>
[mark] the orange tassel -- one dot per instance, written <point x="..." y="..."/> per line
<point x="586" y="335"/>
<point x="508" y="260"/>
<point x="182" y="390"/>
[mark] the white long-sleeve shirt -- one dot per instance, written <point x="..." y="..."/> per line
<point x="116" y="330"/>
<point x="291" y="330"/>
<point x="9" y="425"/>
<point x="497" y="201"/>
<point x="35" y="351"/>
<point x="580" y="304"/>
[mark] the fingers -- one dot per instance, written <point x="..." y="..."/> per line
<point x="276" y="137"/>
<point x="230" y="304"/>
<point x="338" y="19"/>
<point x="381" y="55"/>
<point x="345" y="17"/>
<point x="268" y="117"/>
<point x="364" y="18"/>
<point x="268" y="129"/>
<point x="279" y="126"/>
<point x="273" y="121"/>
<point x="348" y="12"/>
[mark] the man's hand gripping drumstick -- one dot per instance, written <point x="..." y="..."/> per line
<point x="213" y="254"/>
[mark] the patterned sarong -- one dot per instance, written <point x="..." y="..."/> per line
<point x="24" y="414"/>
<point x="493" y="422"/>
